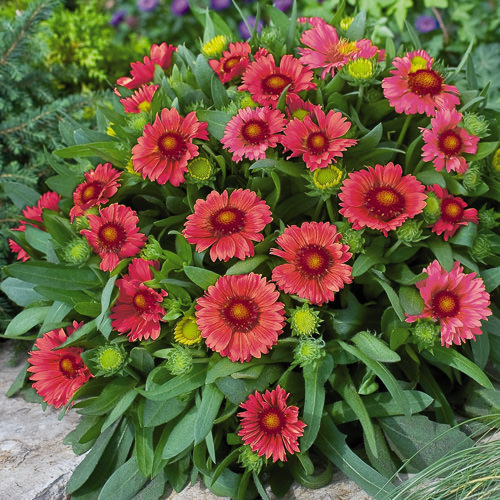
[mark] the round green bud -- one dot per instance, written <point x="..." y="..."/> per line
<point x="432" y="209"/>
<point x="308" y="350"/>
<point x="77" y="251"/>
<point x="110" y="359"/>
<point x="495" y="161"/>
<point x="476" y="124"/>
<point x="250" y="460"/>
<point x="152" y="250"/>
<point x="247" y="101"/>
<point x="426" y="334"/>
<point x="487" y="218"/>
<point x="409" y="231"/>
<point x="373" y="94"/>
<point x="138" y="120"/>
<point x="360" y="69"/>
<point x="354" y="240"/>
<point x="481" y="248"/>
<point x="472" y="178"/>
<point x="304" y="321"/>
<point x="200" y="168"/>
<point x="179" y="360"/>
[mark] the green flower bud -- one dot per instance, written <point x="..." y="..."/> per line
<point x="308" y="350"/>
<point x="110" y="359"/>
<point x="476" y="124"/>
<point x="247" y="101"/>
<point x="179" y="360"/>
<point x="214" y="47"/>
<point x="481" y="248"/>
<point x="138" y="120"/>
<point x="426" y="334"/>
<point x="200" y="169"/>
<point x="304" y="321"/>
<point x="77" y="251"/>
<point x="250" y="460"/>
<point x="409" y="231"/>
<point x="432" y="209"/>
<point x="345" y="22"/>
<point x="354" y="240"/>
<point x="487" y="218"/>
<point x="328" y="177"/>
<point x="152" y="250"/>
<point x="472" y="178"/>
<point x="81" y="223"/>
<point x="373" y="94"/>
<point x="361" y="69"/>
<point x="495" y="161"/>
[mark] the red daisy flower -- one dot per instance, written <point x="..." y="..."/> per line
<point x="138" y="309"/>
<point x="252" y="131"/>
<point x="317" y="141"/>
<point x="19" y="250"/>
<point x="100" y="185"/>
<point x="269" y="426"/>
<point x="453" y="213"/>
<point x="446" y="141"/>
<point x="228" y="224"/>
<point x="240" y="316"/>
<point x="165" y="147"/>
<point x="457" y="300"/>
<point x="381" y="198"/>
<point x="233" y="61"/>
<point x="265" y="81"/>
<point x="298" y="108"/>
<point x="315" y="266"/>
<point x="140" y="100"/>
<point x="57" y="374"/>
<point x="416" y="88"/>
<point x="114" y="235"/>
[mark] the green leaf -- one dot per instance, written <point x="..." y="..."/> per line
<point x="465" y="236"/>
<point x="26" y="320"/>
<point x="484" y="149"/>
<point x="450" y="357"/>
<point x="182" y="435"/>
<point x="411" y="31"/>
<point x="59" y="227"/>
<point x="421" y="442"/>
<point x="315" y="376"/>
<point x="19" y="292"/>
<point x="442" y="251"/>
<point x="144" y="449"/>
<point x="332" y="444"/>
<point x="491" y="278"/>
<point x="231" y="458"/>
<point x="363" y="263"/>
<point x="357" y="28"/>
<point x="216" y="120"/>
<point x="391" y="294"/>
<point x="120" y="408"/>
<point x="156" y="413"/>
<point x="108" y="151"/>
<point x="124" y="483"/>
<point x="201" y="277"/>
<point x="292" y="28"/>
<point x="21" y="195"/>
<point x="279" y="19"/>
<point x="203" y="74"/>
<point x="370" y="140"/>
<point x="218" y="91"/>
<point x="411" y="300"/>
<point x="481" y="350"/>
<point x="248" y="265"/>
<point x="375" y="348"/>
<point x="54" y="319"/>
<point x="211" y="400"/>
<point x="38" y="239"/>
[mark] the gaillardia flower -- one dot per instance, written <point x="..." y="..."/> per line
<point x="100" y="185"/>
<point x="240" y="316"/>
<point x="57" y="375"/>
<point x="445" y="142"/>
<point x="233" y="61"/>
<point x="454" y="213"/>
<point x="138" y="309"/>
<point x="381" y="198"/>
<point x="114" y="235"/>
<point x="187" y="332"/>
<point x="165" y="147"/>
<point x="319" y="142"/>
<point x="269" y="426"/>
<point x="416" y="88"/>
<point x="140" y="100"/>
<point x="457" y="300"/>
<point x="265" y="81"/>
<point x="252" y="131"/>
<point x="315" y="267"/>
<point x="227" y="223"/>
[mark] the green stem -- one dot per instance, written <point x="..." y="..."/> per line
<point x="317" y="210"/>
<point x="403" y="131"/>
<point x="329" y="207"/>
<point x="419" y="166"/>
<point x="360" y="98"/>
<point x="393" y="248"/>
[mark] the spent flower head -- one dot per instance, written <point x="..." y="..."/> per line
<point x="110" y="359"/>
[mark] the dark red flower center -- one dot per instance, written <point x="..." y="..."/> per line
<point x="111" y="236"/>
<point x="274" y="84"/>
<point x="317" y="142"/>
<point x="445" y="304"/>
<point x="228" y="220"/>
<point x="91" y="191"/>
<point x="172" y="145"/>
<point x="313" y="260"/>
<point x="255" y="131"/>
<point x="451" y="210"/>
<point x="143" y="300"/>
<point x="450" y="143"/>
<point x="230" y="63"/>
<point x="241" y="313"/>
<point x="385" y="202"/>
<point x="425" y="82"/>
<point x="272" y="421"/>
<point x="70" y="366"/>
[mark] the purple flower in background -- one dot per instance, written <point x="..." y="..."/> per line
<point x="424" y="24"/>
<point x="131" y="21"/>
<point x="219" y="4"/>
<point x="242" y="27"/>
<point x="179" y="7"/>
<point x="117" y="17"/>
<point x="147" y="5"/>
<point x="283" y="5"/>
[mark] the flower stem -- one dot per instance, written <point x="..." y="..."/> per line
<point x="419" y="166"/>
<point x="360" y="98"/>
<point x="393" y="248"/>
<point x="403" y="130"/>
<point x="329" y="207"/>
<point x="317" y="210"/>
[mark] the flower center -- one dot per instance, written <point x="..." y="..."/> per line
<point x="450" y="142"/>
<point x="241" y="313"/>
<point x="255" y="131"/>
<point x="338" y="52"/>
<point x="110" y="359"/>
<point x="445" y="304"/>
<point x="144" y="106"/>
<point x="91" y="191"/>
<point x="230" y="63"/>
<point x="172" y="145"/>
<point x="327" y="177"/>
<point x="317" y="142"/>
<point x="190" y="330"/>
<point x="200" y="168"/>
<point x="385" y="202"/>
<point x="143" y="301"/>
<point x="111" y="236"/>
<point x="313" y="260"/>
<point x="69" y="366"/>
<point x="418" y="62"/>
<point x="228" y="220"/>
<point x="272" y="421"/>
<point x="451" y="210"/>
<point x="425" y="82"/>
<point x="274" y="84"/>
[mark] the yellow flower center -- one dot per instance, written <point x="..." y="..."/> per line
<point x="417" y="62"/>
<point x="144" y="106"/>
<point x="304" y="321"/>
<point x="327" y="177"/>
<point x="361" y="69"/>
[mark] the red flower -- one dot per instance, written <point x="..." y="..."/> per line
<point x="269" y="426"/>
<point x="114" y="235"/>
<point x="228" y="224"/>
<point x="140" y="100"/>
<point x="233" y="61"/>
<point x="240" y="316"/>
<point x="315" y="266"/>
<point x="165" y="147"/>
<point x="138" y="309"/>
<point x="57" y="374"/>
<point x="100" y="185"/>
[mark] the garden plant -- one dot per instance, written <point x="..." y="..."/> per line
<point x="272" y="258"/>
